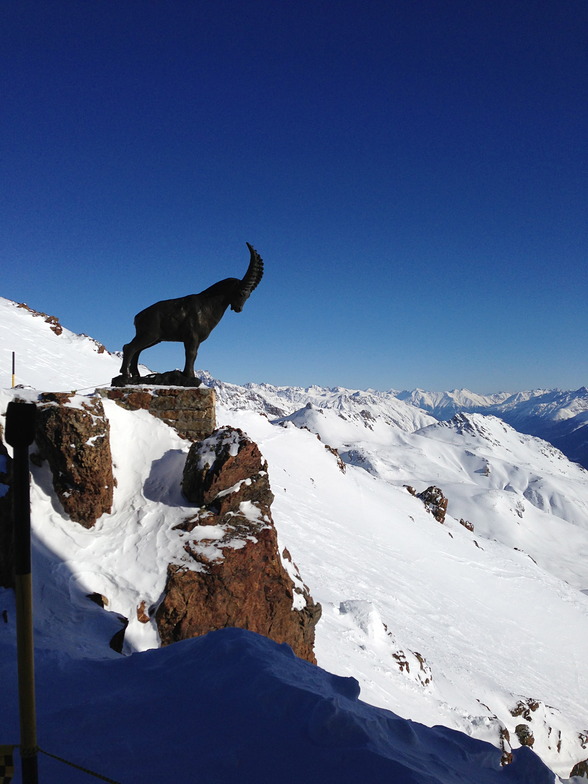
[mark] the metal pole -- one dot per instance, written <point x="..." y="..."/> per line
<point x="20" y="432"/>
<point x="13" y="369"/>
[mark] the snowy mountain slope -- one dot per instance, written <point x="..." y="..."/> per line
<point x="560" y="417"/>
<point x="557" y="416"/>
<point x="514" y="488"/>
<point x="555" y="404"/>
<point x="235" y="707"/>
<point x="392" y="579"/>
<point x="444" y="405"/>
<point x="548" y="404"/>
<point x="437" y="623"/>
<point x="48" y="356"/>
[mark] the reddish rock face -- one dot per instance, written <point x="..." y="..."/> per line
<point x="228" y="461"/>
<point x="75" y="440"/>
<point x="524" y="735"/>
<point x="236" y="578"/>
<point x="580" y="769"/>
<point x="435" y="502"/>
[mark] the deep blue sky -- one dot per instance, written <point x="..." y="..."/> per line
<point x="413" y="173"/>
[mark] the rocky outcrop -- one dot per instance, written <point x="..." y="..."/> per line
<point x="233" y="574"/>
<point x="507" y="756"/>
<point x="525" y="708"/>
<point x="189" y="410"/>
<point x="435" y="502"/>
<point x="338" y="458"/>
<point x="73" y="435"/>
<point x="53" y="321"/>
<point x="524" y="734"/>
<point x="580" y="770"/>
<point x="420" y="673"/>
<point x="223" y="471"/>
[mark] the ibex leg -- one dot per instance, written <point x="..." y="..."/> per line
<point x="191" y="347"/>
<point x="131" y="352"/>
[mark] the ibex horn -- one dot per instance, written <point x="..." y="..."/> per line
<point x="254" y="272"/>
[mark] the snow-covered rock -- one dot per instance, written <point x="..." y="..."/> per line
<point x="231" y="573"/>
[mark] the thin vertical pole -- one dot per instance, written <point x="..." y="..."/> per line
<point x="13" y="369"/>
<point x="20" y="432"/>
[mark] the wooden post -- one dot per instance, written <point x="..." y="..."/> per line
<point x="20" y="432"/>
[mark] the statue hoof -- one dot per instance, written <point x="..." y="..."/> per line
<point x="171" y="378"/>
<point x="125" y="381"/>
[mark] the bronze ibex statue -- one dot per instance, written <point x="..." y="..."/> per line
<point x="189" y="320"/>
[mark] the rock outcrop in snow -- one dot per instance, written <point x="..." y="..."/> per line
<point x="237" y="577"/>
<point x="73" y="435"/>
<point x="434" y="501"/>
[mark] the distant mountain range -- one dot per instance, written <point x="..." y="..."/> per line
<point x="560" y="417"/>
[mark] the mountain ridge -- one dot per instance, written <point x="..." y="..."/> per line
<point x="558" y="416"/>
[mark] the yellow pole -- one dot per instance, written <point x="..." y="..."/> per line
<point x="20" y="432"/>
<point x="26" y="673"/>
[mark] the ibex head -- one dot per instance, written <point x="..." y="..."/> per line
<point x="252" y="277"/>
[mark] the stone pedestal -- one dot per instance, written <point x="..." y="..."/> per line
<point x="189" y="410"/>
